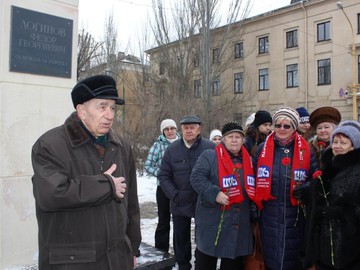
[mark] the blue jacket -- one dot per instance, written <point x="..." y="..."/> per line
<point x="235" y="238"/>
<point x="281" y="224"/>
<point x="174" y="174"/>
<point x="156" y="153"/>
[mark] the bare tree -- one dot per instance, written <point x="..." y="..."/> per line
<point x="183" y="32"/>
<point x="88" y="50"/>
<point x="110" y="38"/>
<point x="128" y="72"/>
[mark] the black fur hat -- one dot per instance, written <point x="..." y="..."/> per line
<point x="99" y="86"/>
<point x="232" y="127"/>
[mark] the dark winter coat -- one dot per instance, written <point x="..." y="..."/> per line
<point x="281" y="224"/>
<point x="174" y="174"/>
<point x="253" y="138"/>
<point x="82" y="224"/>
<point x="235" y="238"/>
<point x="341" y="180"/>
<point x="318" y="147"/>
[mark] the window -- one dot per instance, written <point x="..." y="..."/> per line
<point x="162" y="68"/>
<point x="358" y="68"/>
<point x="197" y="88"/>
<point x="162" y="94"/>
<point x="238" y="118"/>
<point x="358" y="23"/>
<point x="323" y="31"/>
<point x="239" y="50"/>
<point x="263" y="79"/>
<point x="263" y="45"/>
<point x="216" y="87"/>
<point x="292" y="75"/>
<point x="238" y="83"/>
<point x="324" y="72"/>
<point x="196" y="60"/>
<point x="291" y="39"/>
<point x="216" y="56"/>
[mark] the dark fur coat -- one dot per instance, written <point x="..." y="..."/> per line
<point x="332" y="237"/>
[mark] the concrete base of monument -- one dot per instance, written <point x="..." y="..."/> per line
<point x="152" y="258"/>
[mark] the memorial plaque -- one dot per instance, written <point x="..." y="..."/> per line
<point x="40" y="43"/>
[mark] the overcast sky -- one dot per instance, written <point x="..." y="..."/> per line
<point x="130" y="16"/>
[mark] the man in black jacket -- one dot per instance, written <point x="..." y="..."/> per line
<point x="174" y="176"/>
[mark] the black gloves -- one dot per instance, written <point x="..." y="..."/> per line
<point x="301" y="192"/>
<point x="254" y="213"/>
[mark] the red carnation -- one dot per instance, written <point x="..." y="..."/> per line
<point x="237" y="166"/>
<point x="317" y="174"/>
<point x="321" y="145"/>
<point x="286" y="161"/>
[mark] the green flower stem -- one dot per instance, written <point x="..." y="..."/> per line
<point x="220" y="225"/>
<point x="330" y="225"/>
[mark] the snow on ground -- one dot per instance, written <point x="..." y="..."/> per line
<point x="147" y="200"/>
<point x="146" y="188"/>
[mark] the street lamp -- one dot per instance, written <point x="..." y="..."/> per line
<point x="108" y="71"/>
<point x="353" y="54"/>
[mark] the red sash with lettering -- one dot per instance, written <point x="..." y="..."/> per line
<point x="299" y="169"/>
<point x="229" y="177"/>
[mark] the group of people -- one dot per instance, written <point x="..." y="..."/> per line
<point x="274" y="166"/>
<point x="295" y="174"/>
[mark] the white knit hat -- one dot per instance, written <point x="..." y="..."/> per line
<point x="214" y="133"/>
<point x="167" y="123"/>
<point x="250" y="119"/>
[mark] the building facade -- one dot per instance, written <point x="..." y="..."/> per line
<point x="304" y="54"/>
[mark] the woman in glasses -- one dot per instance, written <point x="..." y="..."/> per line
<point x="152" y="166"/>
<point x="323" y="120"/>
<point x="284" y="163"/>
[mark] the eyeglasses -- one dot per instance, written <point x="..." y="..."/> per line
<point x="284" y="126"/>
<point x="168" y="129"/>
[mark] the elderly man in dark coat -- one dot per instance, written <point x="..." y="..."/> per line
<point x="174" y="177"/>
<point x="85" y="188"/>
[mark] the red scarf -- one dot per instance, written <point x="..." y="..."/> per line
<point x="299" y="170"/>
<point x="229" y="177"/>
